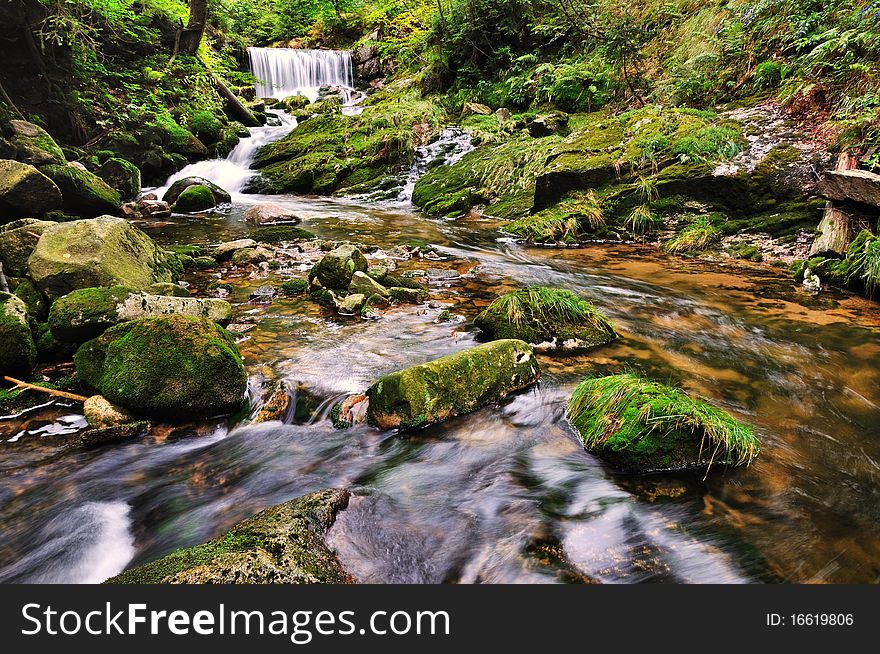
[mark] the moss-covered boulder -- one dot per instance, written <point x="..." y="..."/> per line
<point x="178" y="187"/>
<point x="640" y="426"/>
<point x="451" y="385"/>
<point x="250" y="257"/>
<point x="25" y="191"/>
<point x="195" y="198"/>
<point x="17" y="241"/>
<point x="284" y="544"/>
<point x="36" y="303"/>
<point x="176" y="367"/>
<point x="84" y="193"/>
<point x="336" y="268"/>
<point x="17" y="350"/>
<point x="366" y="285"/>
<point x="548" y="318"/>
<point x="33" y="144"/>
<point x="121" y="175"/>
<point x="103" y="251"/>
<point x="281" y="233"/>
<point x="169" y="289"/>
<point x="86" y="313"/>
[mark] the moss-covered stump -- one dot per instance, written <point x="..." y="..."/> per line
<point x="548" y="318"/>
<point x="642" y="426"/>
<point x="33" y="144"/>
<point x="17" y="241"/>
<point x="86" y="313"/>
<point x="336" y="268"/>
<point x="103" y="251"/>
<point x="17" y="350"/>
<point x="25" y="191"/>
<point x="84" y="193"/>
<point x="451" y="385"/>
<point x="177" y="188"/>
<point x="176" y="367"/>
<point x="195" y="198"/>
<point x="284" y="544"/>
<point x="121" y="175"/>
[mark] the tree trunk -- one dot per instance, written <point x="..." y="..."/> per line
<point x="191" y="36"/>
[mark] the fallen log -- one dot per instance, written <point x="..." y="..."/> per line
<point x="49" y="391"/>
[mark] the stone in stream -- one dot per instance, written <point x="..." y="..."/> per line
<point x="17" y="241"/>
<point x="224" y="251"/>
<point x="18" y="353"/>
<point x="121" y="175"/>
<point x="84" y="193"/>
<point x="168" y="288"/>
<point x="366" y="285"/>
<point x="100" y="412"/>
<point x="268" y="213"/>
<point x="547" y="318"/>
<point x="178" y="187"/>
<point x="336" y="268"/>
<point x="250" y="256"/>
<point x="175" y="367"/>
<point x="276" y="405"/>
<point x="642" y="426"/>
<point x="264" y="294"/>
<point x="86" y="313"/>
<point x="351" y="305"/>
<point x="280" y="233"/>
<point x="103" y="251"/>
<point x="98" y="436"/>
<point x="193" y="199"/>
<point x="451" y="385"/>
<point x="284" y="544"/>
<point x="25" y="191"/>
<point x="407" y="295"/>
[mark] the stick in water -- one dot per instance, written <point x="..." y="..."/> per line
<point x="50" y="391"/>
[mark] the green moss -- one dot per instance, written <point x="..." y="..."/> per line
<point x="86" y="313"/>
<point x="83" y="192"/>
<point x="295" y="287"/>
<point x="696" y="236"/>
<point x="205" y="126"/>
<point x="545" y="315"/>
<point x="642" y="426"/>
<point x="336" y="417"/>
<point x="195" y="198"/>
<point x="279" y="233"/>
<point x="861" y="267"/>
<point x="18" y="353"/>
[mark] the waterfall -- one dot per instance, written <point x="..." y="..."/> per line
<point x="282" y="72"/>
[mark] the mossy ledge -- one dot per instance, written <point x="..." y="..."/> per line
<point x="640" y="426"/>
<point x="283" y="544"/>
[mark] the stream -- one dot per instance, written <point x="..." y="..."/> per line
<point x="505" y="494"/>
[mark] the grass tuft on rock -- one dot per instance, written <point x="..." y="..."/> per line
<point x="699" y="235"/>
<point x="862" y="263"/>
<point x="642" y="426"/>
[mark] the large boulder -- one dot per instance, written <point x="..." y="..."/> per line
<point x="859" y="186"/>
<point x="103" y="251"/>
<point x="17" y="352"/>
<point x="86" y="313"/>
<point x="641" y="426"/>
<point x="84" y="193"/>
<point x="548" y="318"/>
<point x="176" y="367"/>
<point x="336" y="268"/>
<point x="451" y="385"/>
<point x="17" y="241"/>
<point x="268" y="213"/>
<point x="121" y="175"/>
<point x="25" y="191"/>
<point x="33" y="144"/>
<point x="284" y="544"/>
<point x="178" y="187"/>
<point x="195" y="198"/>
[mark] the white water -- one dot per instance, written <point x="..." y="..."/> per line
<point x="282" y="72"/>
<point x="452" y="144"/>
<point x="234" y="172"/>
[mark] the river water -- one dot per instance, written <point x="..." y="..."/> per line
<point x="505" y="494"/>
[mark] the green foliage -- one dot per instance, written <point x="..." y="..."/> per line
<point x="861" y="267"/>
<point x="540" y="304"/>
<point x="699" y="235"/>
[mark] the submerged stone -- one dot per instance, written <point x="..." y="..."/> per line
<point x="451" y="385"/>
<point x="176" y="367"/>
<point x="283" y="544"/>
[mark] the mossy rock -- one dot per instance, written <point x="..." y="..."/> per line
<point x="18" y="353"/>
<point x="34" y="145"/>
<point x="103" y="251"/>
<point x="195" y="198"/>
<point x="84" y="193"/>
<point x="295" y="287"/>
<point x="553" y="318"/>
<point x="121" y="175"/>
<point x="34" y="300"/>
<point x="451" y="385"/>
<point x="282" y="544"/>
<point x="336" y="268"/>
<point x="206" y="126"/>
<point x="17" y="241"/>
<point x="25" y="191"/>
<point x="168" y="289"/>
<point x="641" y="426"/>
<point x="176" y="367"/>
<point x="178" y="187"/>
<point x="281" y="233"/>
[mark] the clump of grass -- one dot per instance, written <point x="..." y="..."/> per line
<point x="627" y="414"/>
<point x="641" y="220"/>
<point x="549" y="305"/>
<point x="862" y="263"/>
<point x="564" y="222"/>
<point x="699" y="235"/>
<point x="646" y="187"/>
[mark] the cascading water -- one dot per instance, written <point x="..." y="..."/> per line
<point x="234" y="172"/>
<point x="282" y="72"/>
<point x="452" y="144"/>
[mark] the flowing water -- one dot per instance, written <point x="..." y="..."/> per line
<point x="505" y="494"/>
